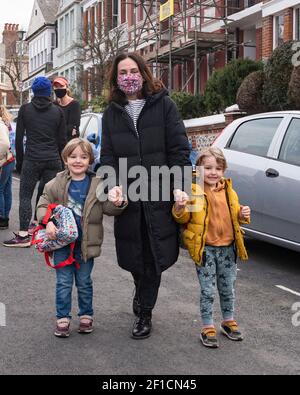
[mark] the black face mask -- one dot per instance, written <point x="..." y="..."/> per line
<point x="60" y="93"/>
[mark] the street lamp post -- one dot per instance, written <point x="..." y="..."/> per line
<point x="20" y="51"/>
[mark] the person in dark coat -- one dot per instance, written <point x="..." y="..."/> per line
<point x="70" y="107"/>
<point x="142" y="124"/>
<point x="44" y="126"/>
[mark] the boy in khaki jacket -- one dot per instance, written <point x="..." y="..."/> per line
<point x="76" y="188"/>
<point x="213" y="237"/>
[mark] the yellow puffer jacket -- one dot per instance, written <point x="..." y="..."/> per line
<point x="197" y="220"/>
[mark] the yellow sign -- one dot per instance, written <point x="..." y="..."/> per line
<point x="166" y="10"/>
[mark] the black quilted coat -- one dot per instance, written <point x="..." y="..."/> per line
<point x="161" y="141"/>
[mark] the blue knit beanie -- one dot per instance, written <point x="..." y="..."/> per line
<point x="41" y="87"/>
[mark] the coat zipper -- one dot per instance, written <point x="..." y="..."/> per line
<point x="204" y="229"/>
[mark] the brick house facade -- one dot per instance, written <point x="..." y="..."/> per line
<point x="8" y="52"/>
<point x="254" y="29"/>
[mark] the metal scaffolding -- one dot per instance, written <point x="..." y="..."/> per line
<point x="182" y="37"/>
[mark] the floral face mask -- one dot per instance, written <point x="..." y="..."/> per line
<point x="130" y="84"/>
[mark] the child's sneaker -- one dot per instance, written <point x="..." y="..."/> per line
<point x="208" y="337"/>
<point x="86" y="324"/>
<point x="62" y="327"/>
<point x="232" y="331"/>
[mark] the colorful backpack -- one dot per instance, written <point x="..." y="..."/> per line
<point x="67" y="234"/>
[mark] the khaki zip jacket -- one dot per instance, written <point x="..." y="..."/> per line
<point x="56" y="192"/>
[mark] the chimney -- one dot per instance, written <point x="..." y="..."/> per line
<point x="10" y="37"/>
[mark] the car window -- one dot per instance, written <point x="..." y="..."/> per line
<point x="290" y="150"/>
<point x="92" y="127"/>
<point x="83" y="122"/>
<point x="255" y="136"/>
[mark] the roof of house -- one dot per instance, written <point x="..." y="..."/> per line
<point x="49" y="9"/>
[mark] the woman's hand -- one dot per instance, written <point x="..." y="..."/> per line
<point x="115" y="195"/>
<point x="51" y="231"/>
<point x="181" y="200"/>
<point x="245" y="212"/>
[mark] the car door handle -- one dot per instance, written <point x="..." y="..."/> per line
<point x="272" y="173"/>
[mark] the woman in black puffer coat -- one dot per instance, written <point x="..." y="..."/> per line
<point x="143" y="125"/>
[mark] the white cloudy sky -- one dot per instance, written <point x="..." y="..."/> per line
<point x="15" y="11"/>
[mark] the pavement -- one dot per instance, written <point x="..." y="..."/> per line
<point x="264" y="312"/>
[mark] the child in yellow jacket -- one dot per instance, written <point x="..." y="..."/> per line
<point x="213" y="238"/>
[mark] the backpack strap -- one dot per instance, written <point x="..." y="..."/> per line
<point x="69" y="261"/>
<point x="33" y="241"/>
<point x="50" y="208"/>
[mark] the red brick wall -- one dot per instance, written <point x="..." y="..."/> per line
<point x="288" y="24"/>
<point x="10" y="36"/>
<point x="267" y="33"/>
<point x="92" y="23"/>
<point x="259" y="44"/>
<point x="220" y="60"/>
<point x="85" y="26"/>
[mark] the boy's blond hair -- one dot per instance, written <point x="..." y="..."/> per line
<point x="216" y="153"/>
<point x="78" y="142"/>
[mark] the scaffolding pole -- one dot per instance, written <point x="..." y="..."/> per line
<point x="181" y="49"/>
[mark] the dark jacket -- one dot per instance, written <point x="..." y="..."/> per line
<point x="161" y="141"/>
<point x="44" y="125"/>
<point x="72" y="113"/>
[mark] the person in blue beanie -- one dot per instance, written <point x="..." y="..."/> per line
<point x="44" y="126"/>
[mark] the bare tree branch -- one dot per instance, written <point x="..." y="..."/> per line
<point x="12" y="68"/>
<point x="100" y="47"/>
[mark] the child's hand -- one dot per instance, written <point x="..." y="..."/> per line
<point x="115" y="195"/>
<point x="51" y="231"/>
<point x="245" y="212"/>
<point x="181" y="200"/>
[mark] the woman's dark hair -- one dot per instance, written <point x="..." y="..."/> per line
<point x="151" y="84"/>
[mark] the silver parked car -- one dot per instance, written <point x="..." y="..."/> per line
<point x="263" y="153"/>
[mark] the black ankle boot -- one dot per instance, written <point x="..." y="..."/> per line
<point x="142" y="326"/>
<point x="4" y="223"/>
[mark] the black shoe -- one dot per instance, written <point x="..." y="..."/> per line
<point x="142" y="326"/>
<point x="136" y="307"/>
<point x="4" y="223"/>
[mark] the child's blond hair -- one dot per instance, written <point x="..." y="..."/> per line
<point x="5" y="115"/>
<point x="216" y="153"/>
<point x="78" y="142"/>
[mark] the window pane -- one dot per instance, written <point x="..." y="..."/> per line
<point x="297" y="24"/>
<point x="279" y="30"/>
<point x="254" y="137"/>
<point x="290" y="150"/>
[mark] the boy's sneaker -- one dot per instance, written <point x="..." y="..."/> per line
<point x="86" y="324"/>
<point x="232" y="331"/>
<point x="208" y="337"/>
<point x="62" y="328"/>
<point x="18" y="241"/>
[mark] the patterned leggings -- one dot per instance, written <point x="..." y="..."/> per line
<point x="219" y="269"/>
<point x="32" y="172"/>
